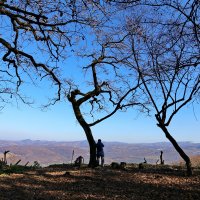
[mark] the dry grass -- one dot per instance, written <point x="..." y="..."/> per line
<point x="101" y="183"/>
<point x="195" y="161"/>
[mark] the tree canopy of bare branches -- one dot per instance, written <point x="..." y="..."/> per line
<point x="104" y="97"/>
<point x="153" y="43"/>
<point x="166" y="51"/>
<point x="134" y="53"/>
<point x="35" y="35"/>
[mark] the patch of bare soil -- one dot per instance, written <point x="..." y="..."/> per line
<point x="100" y="183"/>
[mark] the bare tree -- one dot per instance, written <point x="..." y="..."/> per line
<point x="187" y="12"/>
<point x="24" y="25"/>
<point x="96" y="97"/>
<point x="161" y="45"/>
<point x="166" y="55"/>
<point x="35" y="35"/>
<point x="104" y="97"/>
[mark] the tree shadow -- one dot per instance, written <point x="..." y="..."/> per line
<point x="96" y="184"/>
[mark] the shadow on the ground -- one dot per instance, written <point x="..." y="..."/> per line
<point x="98" y="184"/>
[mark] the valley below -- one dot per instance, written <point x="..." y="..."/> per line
<point x="50" y="152"/>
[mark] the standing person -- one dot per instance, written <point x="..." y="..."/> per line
<point x="100" y="152"/>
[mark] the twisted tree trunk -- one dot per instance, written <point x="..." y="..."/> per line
<point x="92" y="145"/>
<point x="178" y="149"/>
<point x="88" y="133"/>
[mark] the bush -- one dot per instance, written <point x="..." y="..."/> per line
<point x="18" y="169"/>
<point x="36" y="165"/>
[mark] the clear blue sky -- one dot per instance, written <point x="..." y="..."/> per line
<point x="59" y="124"/>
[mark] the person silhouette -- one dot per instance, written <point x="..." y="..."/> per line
<point x="100" y="152"/>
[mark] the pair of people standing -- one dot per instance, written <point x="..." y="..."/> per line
<point x="100" y="152"/>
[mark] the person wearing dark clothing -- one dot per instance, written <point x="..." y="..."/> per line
<point x="100" y="152"/>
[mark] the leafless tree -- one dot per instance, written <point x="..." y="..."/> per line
<point x="166" y="53"/>
<point x="34" y="36"/>
<point x="136" y="47"/>
<point x="104" y="97"/>
<point x="37" y="34"/>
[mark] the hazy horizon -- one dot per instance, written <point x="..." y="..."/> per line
<point x="38" y="140"/>
<point x="59" y="124"/>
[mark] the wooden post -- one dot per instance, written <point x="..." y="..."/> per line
<point x="5" y="160"/>
<point x="17" y="162"/>
<point x="161" y="158"/>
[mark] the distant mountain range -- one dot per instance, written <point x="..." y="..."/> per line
<point x="51" y="152"/>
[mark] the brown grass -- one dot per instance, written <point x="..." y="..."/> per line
<point x="195" y="161"/>
<point x="101" y="183"/>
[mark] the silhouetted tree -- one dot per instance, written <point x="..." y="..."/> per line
<point x="166" y="56"/>
<point x="107" y="92"/>
<point x="35" y="35"/>
<point x="100" y="93"/>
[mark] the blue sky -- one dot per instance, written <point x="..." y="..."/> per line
<point x="59" y="124"/>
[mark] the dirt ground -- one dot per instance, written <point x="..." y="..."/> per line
<point x="101" y="183"/>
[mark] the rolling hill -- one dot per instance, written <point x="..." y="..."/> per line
<point x="51" y="152"/>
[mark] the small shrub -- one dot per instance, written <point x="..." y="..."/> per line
<point x="36" y="165"/>
<point x="18" y="169"/>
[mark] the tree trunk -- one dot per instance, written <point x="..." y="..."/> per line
<point x="92" y="145"/>
<point x="88" y="133"/>
<point x="178" y="149"/>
